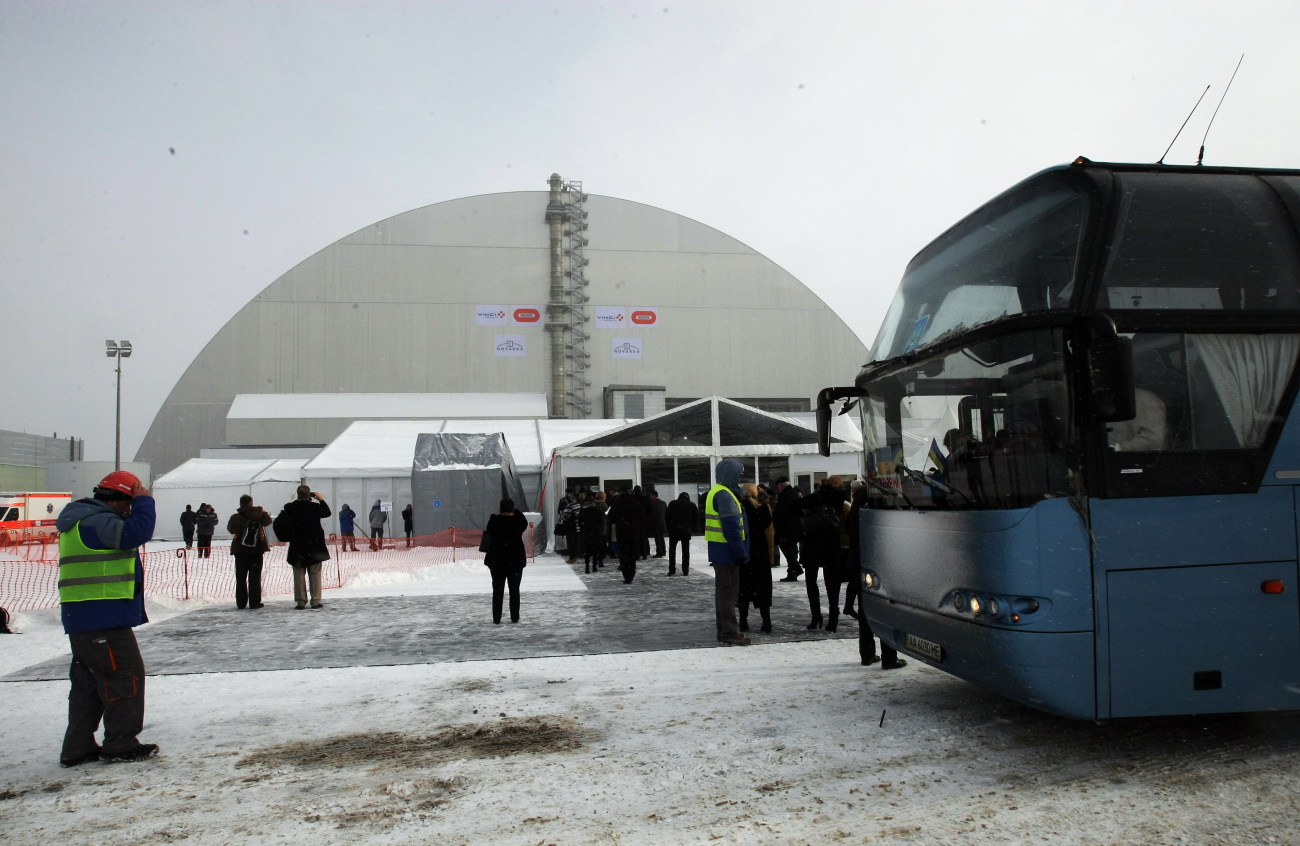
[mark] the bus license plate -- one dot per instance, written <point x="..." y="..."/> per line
<point x="920" y="646"/>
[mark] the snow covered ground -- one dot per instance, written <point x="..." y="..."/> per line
<point x="785" y="744"/>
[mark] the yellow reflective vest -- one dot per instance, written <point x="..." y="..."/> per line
<point x="713" y="523"/>
<point x="87" y="574"/>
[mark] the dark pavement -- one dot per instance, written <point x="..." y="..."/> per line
<point x="655" y="612"/>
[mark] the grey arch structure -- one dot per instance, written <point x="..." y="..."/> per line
<point x="393" y="308"/>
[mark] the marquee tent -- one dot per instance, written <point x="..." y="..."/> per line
<point x="220" y="482"/>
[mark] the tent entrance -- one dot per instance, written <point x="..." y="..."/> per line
<point x="578" y="484"/>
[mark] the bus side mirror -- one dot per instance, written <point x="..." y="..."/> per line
<point x="1110" y="375"/>
<point x="825" y="397"/>
<point x="824" y="401"/>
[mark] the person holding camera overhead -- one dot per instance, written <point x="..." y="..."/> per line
<point x="299" y="524"/>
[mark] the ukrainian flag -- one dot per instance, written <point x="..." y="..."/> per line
<point x="937" y="457"/>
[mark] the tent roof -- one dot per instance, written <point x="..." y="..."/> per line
<point x="379" y="406"/>
<point x="715" y="426"/>
<point x="386" y="447"/>
<point x="230" y="472"/>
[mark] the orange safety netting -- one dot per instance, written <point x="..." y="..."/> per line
<point x="30" y="580"/>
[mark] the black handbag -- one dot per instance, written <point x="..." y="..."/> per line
<point x="485" y="544"/>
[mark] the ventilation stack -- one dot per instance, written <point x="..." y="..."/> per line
<point x="566" y="307"/>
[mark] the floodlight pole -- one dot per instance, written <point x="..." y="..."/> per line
<point x="119" y="351"/>
<point x="117" y="441"/>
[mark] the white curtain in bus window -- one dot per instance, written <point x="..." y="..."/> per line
<point x="1248" y="374"/>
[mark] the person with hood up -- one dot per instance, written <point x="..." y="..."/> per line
<point x="348" y="528"/>
<point x="724" y="529"/>
<point x="101" y="594"/>
<point x="378" y="517"/>
<point x="206" y="527"/>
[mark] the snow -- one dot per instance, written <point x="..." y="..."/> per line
<point x="786" y="743"/>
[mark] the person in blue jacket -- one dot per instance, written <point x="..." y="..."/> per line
<point x="347" y="528"/>
<point x="727" y="534"/>
<point x="101" y="593"/>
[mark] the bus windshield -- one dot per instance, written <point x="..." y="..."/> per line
<point x="986" y="426"/>
<point x="1018" y="255"/>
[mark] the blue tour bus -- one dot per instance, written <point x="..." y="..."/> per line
<point x="1082" y="444"/>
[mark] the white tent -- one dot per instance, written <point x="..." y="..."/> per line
<point x="220" y="482"/>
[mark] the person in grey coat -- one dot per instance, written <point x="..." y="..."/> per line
<point x="378" y="517"/>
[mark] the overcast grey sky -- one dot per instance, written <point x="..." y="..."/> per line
<point x="163" y="162"/>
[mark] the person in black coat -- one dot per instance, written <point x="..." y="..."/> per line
<point x="205" y="525"/>
<point x="591" y="519"/>
<point x="300" y="522"/>
<point x="819" y="549"/>
<point x="629" y="514"/>
<point x="506" y="556"/>
<point x="189" y="519"/>
<point x="681" y="517"/>
<point x="787" y="519"/>
<point x="658" y="522"/>
<point x="756" y="573"/>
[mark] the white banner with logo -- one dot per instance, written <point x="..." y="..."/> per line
<point x="511" y="346"/>
<point x="627" y="348"/>
<point x="610" y="317"/>
<point x="490" y="315"/>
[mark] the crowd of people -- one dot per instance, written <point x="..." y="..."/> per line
<point x="750" y="529"/>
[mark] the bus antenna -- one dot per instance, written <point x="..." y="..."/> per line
<point x="1181" y="128"/>
<point x="1201" y="155"/>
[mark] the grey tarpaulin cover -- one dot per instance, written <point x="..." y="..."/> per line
<point x="458" y="480"/>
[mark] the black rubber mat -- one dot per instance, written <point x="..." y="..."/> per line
<point x="655" y="612"/>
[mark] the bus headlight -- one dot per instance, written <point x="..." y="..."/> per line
<point x="870" y="581"/>
<point x="959" y="601"/>
<point x="976" y="605"/>
<point x="995" y="608"/>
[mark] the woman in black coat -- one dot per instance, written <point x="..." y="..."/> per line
<point x="506" y="557"/>
<point x="756" y="573"/>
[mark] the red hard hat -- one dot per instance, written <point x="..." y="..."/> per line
<point x="120" y="481"/>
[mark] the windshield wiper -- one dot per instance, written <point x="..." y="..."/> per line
<point x="931" y="482"/>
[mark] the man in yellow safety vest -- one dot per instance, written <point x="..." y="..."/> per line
<point x="101" y="593"/>
<point x="725" y="530"/>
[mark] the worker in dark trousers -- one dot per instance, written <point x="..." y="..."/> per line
<point x="101" y="593"/>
